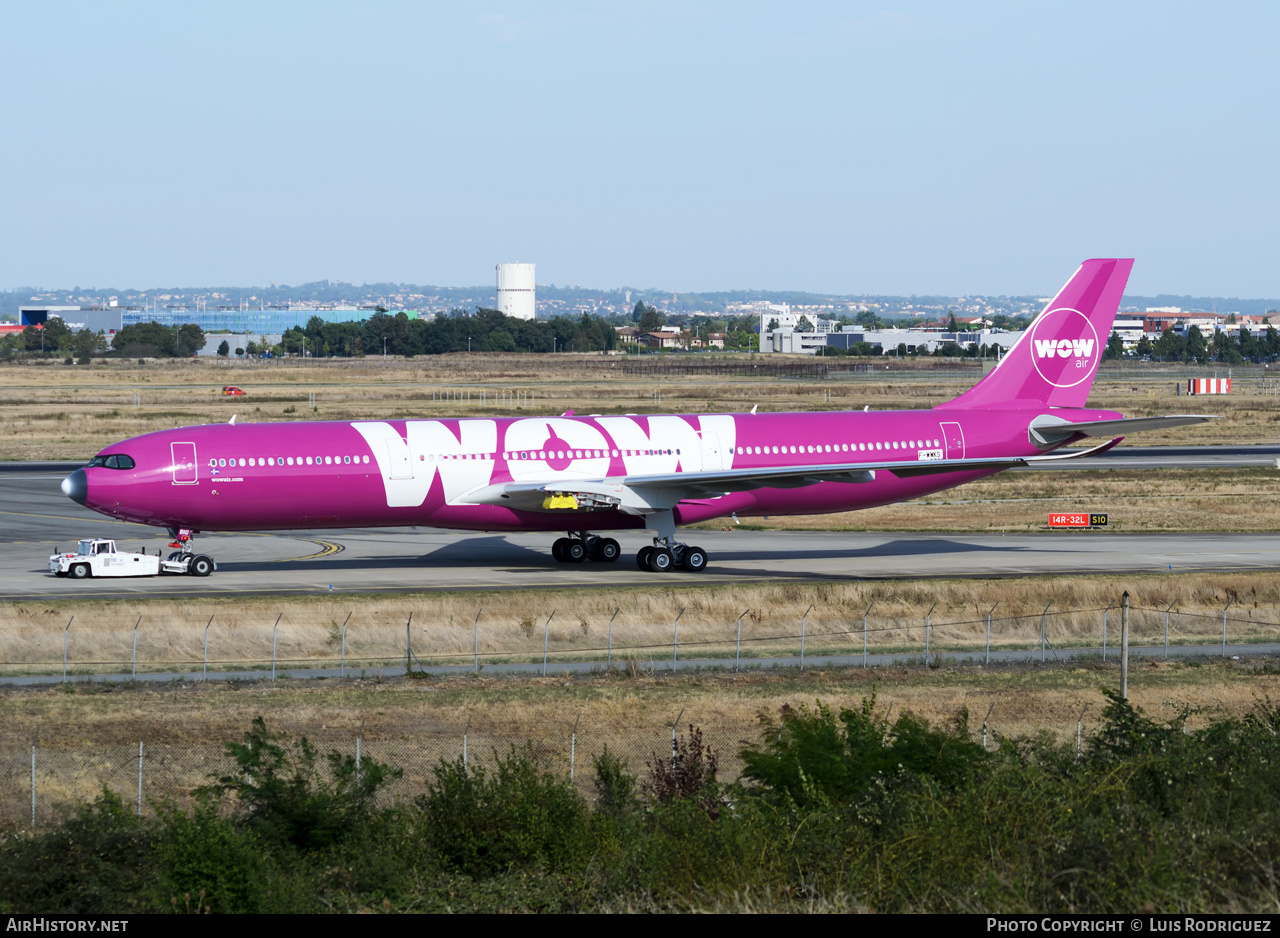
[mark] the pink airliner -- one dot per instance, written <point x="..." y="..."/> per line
<point x="608" y="473"/>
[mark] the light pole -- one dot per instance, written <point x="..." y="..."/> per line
<point x="468" y="343"/>
<point x="384" y="347"/>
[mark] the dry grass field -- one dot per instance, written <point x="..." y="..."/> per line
<point x="87" y="735"/>
<point x="56" y="411"/>
<point x="513" y="624"/>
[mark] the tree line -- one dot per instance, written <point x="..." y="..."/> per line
<point x="1263" y="345"/>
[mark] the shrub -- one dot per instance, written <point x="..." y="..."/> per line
<point x="286" y="799"/>
<point x="206" y="856"/>
<point x="97" y="861"/>
<point x="813" y="757"/>
<point x="519" y="816"/>
<point x="690" y="772"/>
<point x="615" y="786"/>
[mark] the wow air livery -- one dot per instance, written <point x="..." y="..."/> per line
<point x="608" y="473"/>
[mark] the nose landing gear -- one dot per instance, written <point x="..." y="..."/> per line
<point x="197" y="564"/>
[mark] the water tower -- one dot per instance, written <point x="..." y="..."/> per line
<point x="515" y="290"/>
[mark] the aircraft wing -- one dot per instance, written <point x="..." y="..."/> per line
<point x="641" y="494"/>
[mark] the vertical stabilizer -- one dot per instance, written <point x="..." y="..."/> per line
<point x="1055" y="361"/>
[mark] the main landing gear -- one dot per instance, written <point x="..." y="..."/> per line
<point x="580" y="546"/>
<point x="667" y="553"/>
<point x="662" y="557"/>
<point x="197" y="564"/>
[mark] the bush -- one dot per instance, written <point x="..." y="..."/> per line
<point x="284" y="797"/>
<point x="210" y="859"/>
<point x="100" y="860"/>
<point x="615" y="786"/>
<point x="813" y="758"/>
<point x="689" y="773"/>
<point x="517" y="817"/>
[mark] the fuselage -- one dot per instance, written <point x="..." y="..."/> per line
<point x="279" y="476"/>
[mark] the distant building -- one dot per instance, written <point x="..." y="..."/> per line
<point x="516" y="291"/>
<point x="659" y="339"/>
<point x="264" y="319"/>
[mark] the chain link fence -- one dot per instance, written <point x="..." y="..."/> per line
<point x="335" y="644"/>
<point x="43" y="778"/>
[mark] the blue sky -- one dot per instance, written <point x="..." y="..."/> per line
<point x="853" y="148"/>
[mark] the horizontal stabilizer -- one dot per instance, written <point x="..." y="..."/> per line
<point x="1050" y="430"/>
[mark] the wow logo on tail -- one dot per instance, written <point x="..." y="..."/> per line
<point x="1054" y="363"/>
<point x="1064" y="362"/>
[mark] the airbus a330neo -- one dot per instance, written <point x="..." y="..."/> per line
<point x="588" y="476"/>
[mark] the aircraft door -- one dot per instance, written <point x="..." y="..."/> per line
<point x="184" y="463"/>
<point x="712" y="455"/>
<point x="953" y="439"/>
<point x="399" y="464"/>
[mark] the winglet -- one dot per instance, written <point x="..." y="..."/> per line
<point x="567" y="413"/>
<point x="232" y="421"/>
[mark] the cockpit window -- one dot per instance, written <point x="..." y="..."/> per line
<point x="114" y="461"/>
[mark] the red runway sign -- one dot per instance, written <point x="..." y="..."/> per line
<point x="1077" y="520"/>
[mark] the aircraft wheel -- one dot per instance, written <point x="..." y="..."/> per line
<point x="607" y="550"/>
<point x="660" y="560"/>
<point x="575" y="551"/>
<point x="200" y="565"/>
<point x="557" y="549"/>
<point x="694" y="559"/>
<point x="642" y="558"/>
<point x="80" y="571"/>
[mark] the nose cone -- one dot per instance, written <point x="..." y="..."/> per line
<point x="76" y="486"/>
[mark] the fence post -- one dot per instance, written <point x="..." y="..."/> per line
<point x="737" y="657"/>
<point x="140" y="742"/>
<point x="67" y="631"/>
<point x="359" y="735"/>
<point x="408" y="644"/>
<point x="1104" y="628"/>
<point x="864" y="633"/>
<point x="573" y="745"/>
<point x="609" y="661"/>
<point x="274" y="630"/>
<point x="1166" y="631"/>
<point x="342" y="655"/>
<point x="984" y="725"/>
<point x="1224" y="627"/>
<point x="928" y="622"/>
<point x="989" y="613"/>
<point x="204" y="667"/>
<point x="546" y="634"/>
<point x="1124" y="646"/>
<point x="675" y="642"/>
<point x="1042" y="632"/>
<point x="1079" y="724"/>
<point x="475" y="629"/>
<point x="803" y="619"/>
<point x="465" y="730"/>
<point x="673" y="737"/>
<point x="35" y="741"/>
<point x="134" y="666"/>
